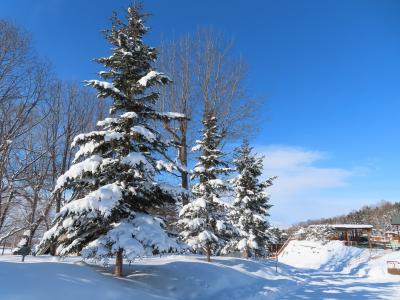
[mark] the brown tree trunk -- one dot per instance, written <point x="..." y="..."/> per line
<point x="185" y="185"/>
<point x="185" y="175"/>
<point x="183" y="158"/>
<point x="208" y="251"/>
<point x="246" y="253"/>
<point x="52" y="249"/>
<point x="118" y="264"/>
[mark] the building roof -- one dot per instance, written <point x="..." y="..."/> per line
<point x="352" y="226"/>
<point x="395" y="220"/>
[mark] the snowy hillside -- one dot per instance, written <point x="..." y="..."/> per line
<point x="330" y="271"/>
<point x="334" y="271"/>
<point x="332" y="256"/>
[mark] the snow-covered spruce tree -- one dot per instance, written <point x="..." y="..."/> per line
<point x="203" y="221"/>
<point x="249" y="211"/>
<point x="277" y="236"/>
<point x="113" y="179"/>
<point x="24" y="242"/>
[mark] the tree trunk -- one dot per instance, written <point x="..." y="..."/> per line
<point x="185" y="185"/>
<point x="32" y="219"/>
<point x="208" y="251"/>
<point x="246" y="253"/>
<point x="118" y="264"/>
<point x="52" y="249"/>
<point x="183" y="158"/>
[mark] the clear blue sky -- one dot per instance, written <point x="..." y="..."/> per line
<point x="330" y="71"/>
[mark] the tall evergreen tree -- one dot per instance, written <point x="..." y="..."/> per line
<point x="202" y="221"/>
<point x="249" y="211"/>
<point x="113" y="179"/>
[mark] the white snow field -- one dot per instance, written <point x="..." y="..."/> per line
<point x="307" y="270"/>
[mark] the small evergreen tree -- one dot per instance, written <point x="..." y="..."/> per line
<point x="113" y="177"/>
<point x="249" y="211"/>
<point x="277" y="236"/>
<point x="23" y="243"/>
<point x="202" y="220"/>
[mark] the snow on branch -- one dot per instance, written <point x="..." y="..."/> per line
<point x="102" y="201"/>
<point x="151" y="76"/>
<point x="120" y="119"/>
<point x="134" y="158"/>
<point x="140" y="235"/>
<point x="90" y="164"/>
<point x="103" y="86"/>
<point x="146" y="133"/>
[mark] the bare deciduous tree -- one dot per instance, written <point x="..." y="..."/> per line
<point x="22" y="87"/>
<point x="39" y="117"/>
<point x="72" y="110"/>
<point x="207" y="76"/>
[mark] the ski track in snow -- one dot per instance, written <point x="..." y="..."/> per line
<point x="332" y="272"/>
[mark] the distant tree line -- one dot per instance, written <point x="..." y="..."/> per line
<point x="378" y="215"/>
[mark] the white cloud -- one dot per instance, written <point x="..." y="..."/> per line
<point x="295" y="193"/>
<point x="281" y="157"/>
<point x="297" y="170"/>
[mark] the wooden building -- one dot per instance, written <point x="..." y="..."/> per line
<point x="353" y="234"/>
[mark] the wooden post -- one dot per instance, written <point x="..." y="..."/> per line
<point x="369" y="238"/>
<point x="118" y="264"/>
<point x="358" y="234"/>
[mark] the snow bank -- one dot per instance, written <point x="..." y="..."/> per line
<point x="329" y="256"/>
<point x="170" y="277"/>
<point x="192" y="278"/>
<point x="46" y="278"/>
<point x="376" y="268"/>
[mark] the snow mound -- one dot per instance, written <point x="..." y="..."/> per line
<point x="181" y="277"/>
<point x="170" y="277"/>
<point x="376" y="268"/>
<point x="328" y="256"/>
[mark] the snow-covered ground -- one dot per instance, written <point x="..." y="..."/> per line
<point x="307" y="270"/>
<point x="334" y="271"/>
<point x="332" y="256"/>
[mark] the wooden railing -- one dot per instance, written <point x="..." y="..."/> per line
<point x="284" y="245"/>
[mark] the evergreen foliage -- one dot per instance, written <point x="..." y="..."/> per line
<point x="203" y="220"/>
<point x="113" y="179"/>
<point x="249" y="211"/>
